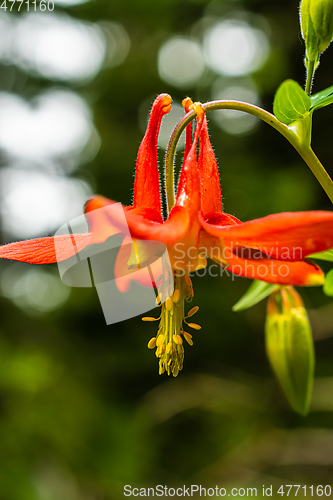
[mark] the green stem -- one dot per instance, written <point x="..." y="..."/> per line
<point x="310" y="66"/>
<point x="318" y="170"/>
<point x="304" y="150"/>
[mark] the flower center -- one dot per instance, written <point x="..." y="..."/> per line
<point x="170" y="335"/>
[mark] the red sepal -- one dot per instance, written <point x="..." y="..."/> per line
<point x="275" y="271"/>
<point x="284" y="236"/>
<point x="43" y="250"/>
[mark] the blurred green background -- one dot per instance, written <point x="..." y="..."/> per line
<point x="83" y="411"/>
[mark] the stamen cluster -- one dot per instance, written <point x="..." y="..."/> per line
<point x="169" y="338"/>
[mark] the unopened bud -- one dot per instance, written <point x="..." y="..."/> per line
<point x="316" y="17"/>
<point x="289" y="347"/>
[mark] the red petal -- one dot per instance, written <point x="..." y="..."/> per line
<point x="221" y="219"/>
<point x="122" y="271"/>
<point x="42" y="250"/>
<point x="169" y="232"/>
<point x="97" y="202"/>
<point x="140" y="222"/>
<point x="124" y="274"/>
<point x="147" y="213"/>
<point x="147" y="182"/>
<point x="285" y="236"/>
<point x="104" y="222"/>
<point x="211" y="198"/>
<point x="252" y="263"/>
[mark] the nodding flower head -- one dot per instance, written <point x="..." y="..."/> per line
<point x="273" y="249"/>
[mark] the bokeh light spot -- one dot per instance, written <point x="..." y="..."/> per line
<point x="55" y="124"/>
<point x="35" y="203"/>
<point x="168" y="124"/>
<point x="117" y="43"/>
<point x="232" y="47"/>
<point x="33" y="288"/>
<point x="181" y="62"/>
<point x="59" y="47"/>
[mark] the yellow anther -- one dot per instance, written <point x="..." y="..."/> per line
<point x="188" y="338"/>
<point x="169" y="303"/>
<point x="177" y="339"/>
<point x="152" y="343"/>
<point x="193" y="311"/>
<point x="160" y="340"/>
<point x="194" y="326"/>
<point x="198" y="109"/>
<point x="169" y="341"/>
<point x="176" y="296"/>
<point x="188" y="280"/>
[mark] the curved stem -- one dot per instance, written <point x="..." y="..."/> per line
<point x="318" y="170"/>
<point x="304" y="151"/>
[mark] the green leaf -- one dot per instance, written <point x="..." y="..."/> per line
<point x="328" y="255"/>
<point x="328" y="286"/>
<point x="291" y="103"/>
<point x="290" y="350"/>
<point x="321" y="99"/>
<point x="257" y="292"/>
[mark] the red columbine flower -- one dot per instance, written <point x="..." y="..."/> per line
<point x="273" y="249"/>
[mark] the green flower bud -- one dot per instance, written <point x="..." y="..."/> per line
<point x="316" y="17"/>
<point x="289" y="347"/>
